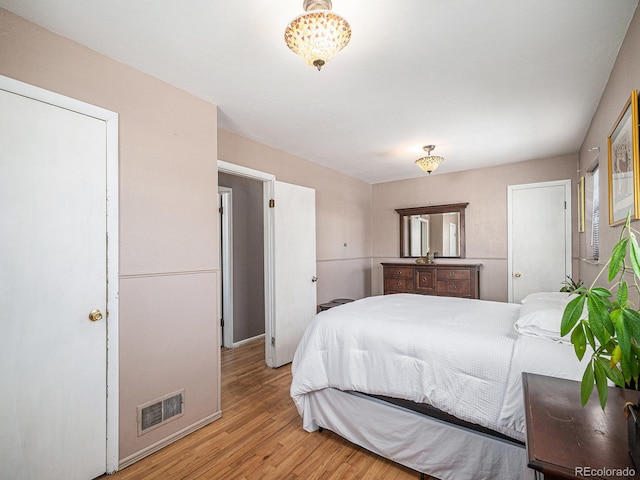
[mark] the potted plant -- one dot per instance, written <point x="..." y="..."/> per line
<point x="571" y="285"/>
<point x="610" y="326"/>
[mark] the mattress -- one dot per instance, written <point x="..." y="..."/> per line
<point x="462" y="356"/>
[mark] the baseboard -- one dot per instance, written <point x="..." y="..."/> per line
<point x="247" y="340"/>
<point x="145" y="452"/>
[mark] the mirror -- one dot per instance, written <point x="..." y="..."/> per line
<point x="438" y="229"/>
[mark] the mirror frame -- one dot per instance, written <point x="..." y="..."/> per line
<point x="449" y="208"/>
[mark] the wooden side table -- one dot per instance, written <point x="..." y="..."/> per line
<point x="566" y="441"/>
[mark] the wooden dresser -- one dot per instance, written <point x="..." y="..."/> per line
<point x="453" y="280"/>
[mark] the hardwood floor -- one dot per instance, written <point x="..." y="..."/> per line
<point x="260" y="436"/>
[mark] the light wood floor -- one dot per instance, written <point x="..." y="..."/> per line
<point x="260" y="436"/>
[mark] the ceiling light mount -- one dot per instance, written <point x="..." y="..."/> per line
<point x="316" y="5"/>
<point x="430" y="162"/>
<point x="318" y="34"/>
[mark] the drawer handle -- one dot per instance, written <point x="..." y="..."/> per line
<point x="399" y="272"/>
<point x="398" y="284"/>
<point x="451" y="274"/>
<point x="453" y="287"/>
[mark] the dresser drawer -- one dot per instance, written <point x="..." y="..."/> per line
<point x="453" y="274"/>
<point x="398" y="285"/>
<point x="398" y="272"/>
<point x="453" y="288"/>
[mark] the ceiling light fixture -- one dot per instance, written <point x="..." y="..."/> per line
<point x="430" y="162"/>
<point x="318" y="34"/>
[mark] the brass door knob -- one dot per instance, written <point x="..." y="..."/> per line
<point x="517" y="275"/>
<point x="95" y="315"/>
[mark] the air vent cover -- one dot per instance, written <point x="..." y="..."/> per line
<point x="158" y="412"/>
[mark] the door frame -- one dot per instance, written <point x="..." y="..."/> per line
<point x="111" y="123"/>
<point x="567" y="222"/>
<point x="268" y="187"/>
<point x="226" y="263"/>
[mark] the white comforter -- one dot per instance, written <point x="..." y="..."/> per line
<point x="462" y="356"/>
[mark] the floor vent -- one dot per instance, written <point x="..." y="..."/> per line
<point x="160" y="411"/>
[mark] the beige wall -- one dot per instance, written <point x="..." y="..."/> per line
<point x="624" y="78"/>
<point x="486" y="216"/>
<point x="343" y="213"/>
<point x="168" y="236"/>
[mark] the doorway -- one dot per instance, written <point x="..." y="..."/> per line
<point x="242" y="259"/>
<point x="539" y="237"/>
<point x="289" y="261"/>
<point x="59" y="203"/>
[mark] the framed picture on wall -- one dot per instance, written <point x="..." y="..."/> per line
<point x="624" y="170"/>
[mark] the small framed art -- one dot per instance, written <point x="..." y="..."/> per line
<point x="624" y="171"/>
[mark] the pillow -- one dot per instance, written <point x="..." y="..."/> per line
<point x="550" y="296"/>
<point x="541" y="316"/>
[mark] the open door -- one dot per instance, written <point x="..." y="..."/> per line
<point x="294" y="254"/>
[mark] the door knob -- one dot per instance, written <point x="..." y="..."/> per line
<point x="314" y="279"/>
<point x="517" y="275"/>
<point x="95" y="315"/>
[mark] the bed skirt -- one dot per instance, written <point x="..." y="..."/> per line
<point x="425" y="444"/>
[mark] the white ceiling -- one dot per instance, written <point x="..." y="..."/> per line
<point x="488" y="82"/>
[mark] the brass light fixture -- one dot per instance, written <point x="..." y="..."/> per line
<point x="430" y="162"/>
<point x="318" y="34"/>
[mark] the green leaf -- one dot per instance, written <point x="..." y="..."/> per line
<point x="607" y="321"/>
<point x="616" y="376"/>
<point x="630" y="366"/>
<point x="601" y="292"/>
<point x="589" y="334"/>
<point x="579" y="340"/>
<point x="598" y="317"/>
<point x="632" y="317"/>
<point x="601" y="382"/>
<point x="617" y="258"/>
<point x="622" y="332"/>
<point x="634" y="255"/>
<point x="623" y="294"/>
<point x="613" y="373"/>
<point x="571" y="315"/>
<point x="586" y="387"/>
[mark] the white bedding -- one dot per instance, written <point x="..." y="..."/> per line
<point x="462" y="356"/>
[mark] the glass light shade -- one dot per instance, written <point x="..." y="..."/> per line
<point x="429" y="163"/>
<point x="317" y="36"/>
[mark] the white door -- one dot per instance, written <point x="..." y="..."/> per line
<point x="53" y="260"/>
<point x="294" y="270"/>
<point x="539" y="222"/>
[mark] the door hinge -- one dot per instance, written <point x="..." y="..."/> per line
<point x="272" y="203"/>
<point x="222" y="322"/>
<point x="273" y="341"/>
<point x="221" y="210"/>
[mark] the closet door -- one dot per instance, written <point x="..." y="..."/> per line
<point x="53" y="278"/>
<point x="539" y="220"/>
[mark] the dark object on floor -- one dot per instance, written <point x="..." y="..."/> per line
<point x="333" y="303"/>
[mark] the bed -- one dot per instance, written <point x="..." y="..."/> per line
<point x="361" y="366"/>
